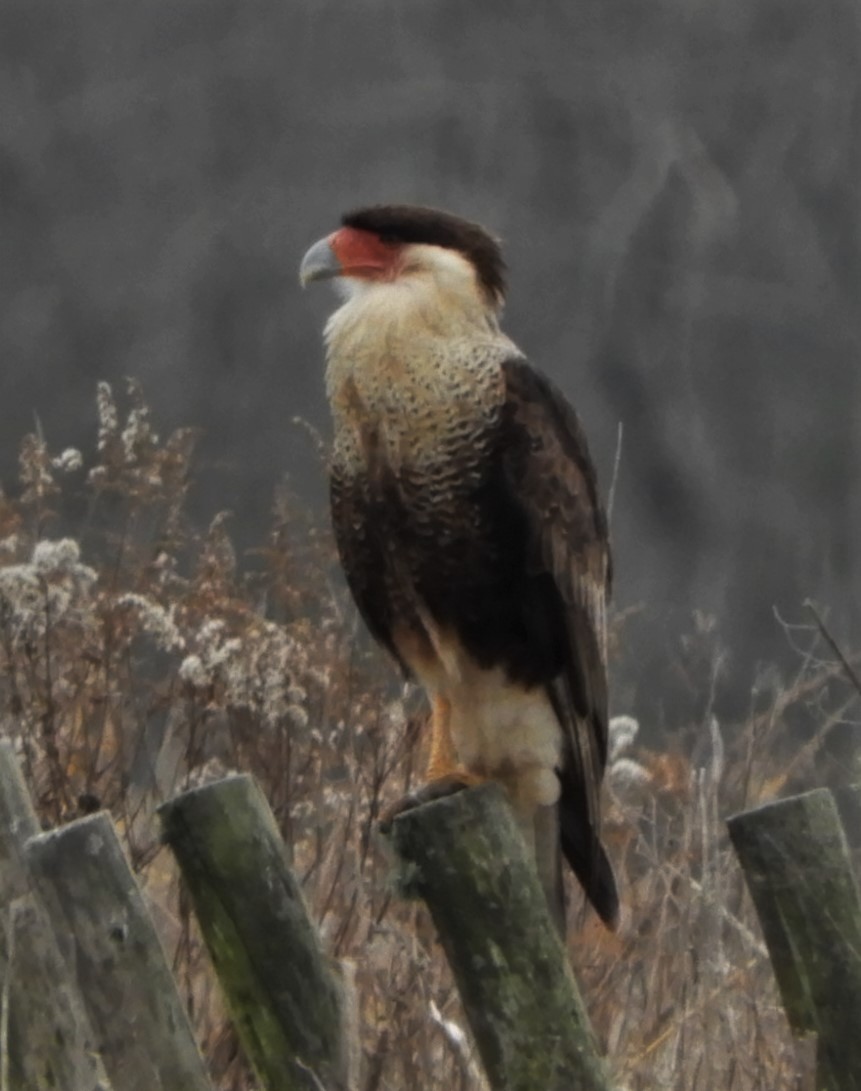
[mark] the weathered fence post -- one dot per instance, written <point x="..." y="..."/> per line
<point x="50" y="1043"/>
<point x="466" y="857"/>
<point x="284" y="995"/>
<point x="98" y="913"/>
<point x="796" y="862"/>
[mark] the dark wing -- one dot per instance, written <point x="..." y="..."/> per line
<point x="552" y="479"/>
<point x="359" y="516"/>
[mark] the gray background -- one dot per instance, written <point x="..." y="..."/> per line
<point x="678" y="185"/>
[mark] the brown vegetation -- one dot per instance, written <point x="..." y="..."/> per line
<point x="139" y="657"/>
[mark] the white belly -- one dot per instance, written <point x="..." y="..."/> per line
<point x="499" y="729"/>
<point x="506" y="732"/>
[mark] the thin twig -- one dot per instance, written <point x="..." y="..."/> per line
<point x="832" y="643"/>
<point x="4" y="1004"/>
<point x="300" y="1064"/>
<point x="797" y="693"/>
<point x="611" y="495"/>
<point x="807" y="752"/>
<point x="461" y="1048"/>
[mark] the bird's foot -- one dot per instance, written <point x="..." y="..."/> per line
<point x="439" y="788"/>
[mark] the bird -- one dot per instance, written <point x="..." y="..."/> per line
<point x="469" y="526"/>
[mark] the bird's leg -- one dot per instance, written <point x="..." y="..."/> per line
<point x="442" y="760"/>
<point x="445" y="775"/>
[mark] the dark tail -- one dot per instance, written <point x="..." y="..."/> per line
<point x="590" y="863"/>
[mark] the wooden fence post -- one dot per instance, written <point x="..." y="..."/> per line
<point x="466" y="857"/>
<point x="50" y="1043"/>
<point x="796" y="862"/>
<point x="284" y="995"/>
<point x="96" y="909"/>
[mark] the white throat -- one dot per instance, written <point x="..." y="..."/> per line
<point x="436" y="294"/>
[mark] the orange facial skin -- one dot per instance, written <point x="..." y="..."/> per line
<point x="363" y="254"/>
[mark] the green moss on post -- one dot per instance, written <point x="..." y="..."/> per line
<point x="797" y="866"/>
<point x="466" y="857"/>
<point x="51" y="1045"/>
<point x="283" y="994"/>
<point x="97" y="911"/>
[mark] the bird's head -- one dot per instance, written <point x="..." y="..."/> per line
<point x="386" y="243"/>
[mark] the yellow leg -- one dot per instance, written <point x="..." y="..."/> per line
<point x="445" y="775"/>
<point x="443" y="764"/>
<point x="442" y="760"/>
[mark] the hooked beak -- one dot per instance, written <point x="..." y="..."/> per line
<point x="320" y="263"/>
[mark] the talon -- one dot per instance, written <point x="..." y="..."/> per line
<point x="447" y="785"/>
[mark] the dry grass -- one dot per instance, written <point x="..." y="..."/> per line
<point x="140" y="657"/>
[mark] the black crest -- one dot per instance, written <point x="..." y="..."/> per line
<point x="411" y="223"/>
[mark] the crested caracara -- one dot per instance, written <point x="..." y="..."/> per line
<point x="468" y="522"/>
